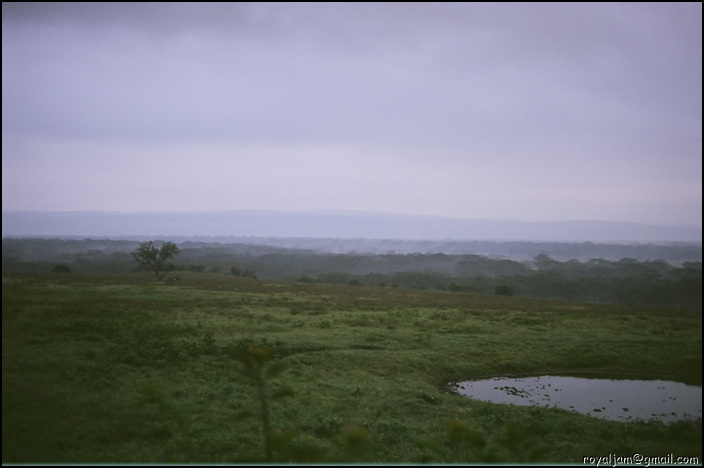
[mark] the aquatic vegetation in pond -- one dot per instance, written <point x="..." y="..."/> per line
<point x="619" y="400"/>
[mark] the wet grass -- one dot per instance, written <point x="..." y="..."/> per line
<point x="125" y="369"/>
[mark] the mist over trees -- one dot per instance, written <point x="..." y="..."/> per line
<point x="673" y="280"/>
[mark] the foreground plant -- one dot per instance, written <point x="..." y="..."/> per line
<point x="258" y="365"/>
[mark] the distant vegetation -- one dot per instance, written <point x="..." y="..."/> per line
<point x="627" y="280"/>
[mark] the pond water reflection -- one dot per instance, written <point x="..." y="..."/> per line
<point x="619" y="400"/>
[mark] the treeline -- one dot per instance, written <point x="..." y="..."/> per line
<point x="622" y="281"/>
<point x="673" y="252"/>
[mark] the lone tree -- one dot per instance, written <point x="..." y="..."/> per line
<point x="153" y="258"/>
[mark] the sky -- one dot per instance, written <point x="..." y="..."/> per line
<point x="526" y="111"/>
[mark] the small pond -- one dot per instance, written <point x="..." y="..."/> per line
<point x="619" y="400"/>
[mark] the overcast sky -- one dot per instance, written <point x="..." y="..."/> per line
<point x="535" y="112"/>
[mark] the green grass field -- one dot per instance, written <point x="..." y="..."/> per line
<point x="124" y="369"/>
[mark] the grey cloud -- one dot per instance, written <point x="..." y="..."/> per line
<point x="148" y="17"/>
<point x="462" y="80"/>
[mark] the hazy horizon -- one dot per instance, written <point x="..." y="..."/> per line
<point x="351" y="212"/>
<point x="477" y="111"/>
<point x="331" y="224"/>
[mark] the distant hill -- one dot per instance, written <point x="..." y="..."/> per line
<point x="331" y="224"/>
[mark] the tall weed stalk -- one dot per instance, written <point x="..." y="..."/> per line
<point x="258" y="366"/>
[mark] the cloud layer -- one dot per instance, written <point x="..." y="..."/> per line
<point x="528" y="111"/>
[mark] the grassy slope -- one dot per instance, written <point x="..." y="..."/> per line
<point x="124" y="369"/>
